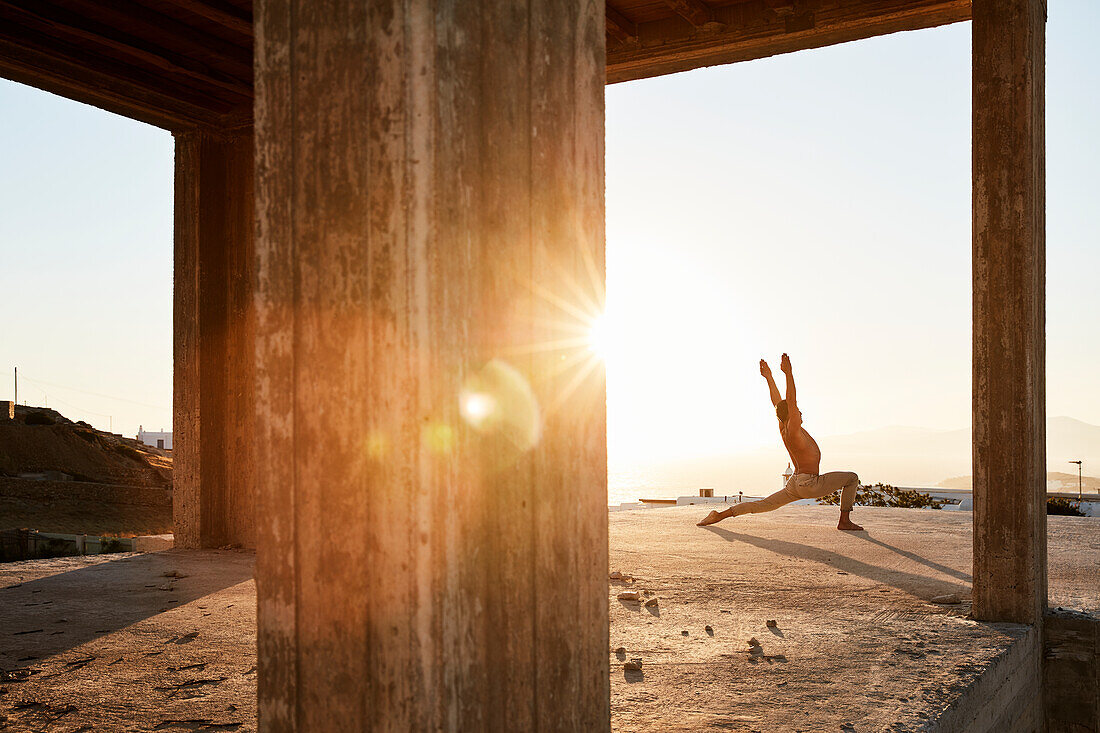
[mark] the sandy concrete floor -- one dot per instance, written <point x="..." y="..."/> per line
<point x="858" y="645"/>
<point x="112" y="643"/>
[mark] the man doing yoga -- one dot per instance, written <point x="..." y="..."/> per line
<point x="806" y="483"/>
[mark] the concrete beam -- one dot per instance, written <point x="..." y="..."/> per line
<point x="214" y="320"/>
<point x="431" y="247"/>
<point x="619" y="27"/>
<point x="695" y="12"/>
<point x="1010" y="568"/>
<point x="759" y="28"/>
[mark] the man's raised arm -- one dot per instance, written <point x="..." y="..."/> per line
<point x="785" y="365"/>
<point x="766" y="373"/>
<point x="794" y="415"/>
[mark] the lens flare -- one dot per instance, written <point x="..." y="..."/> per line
<point x="377" y="444"/>
<point x="477" y="407"/>
<point x="498" y="402"/>
<point x="439" y="438"/>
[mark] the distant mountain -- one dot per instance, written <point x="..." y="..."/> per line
<point x="899" y="455"/>
<point x="1056" y="481"/>
<point x="1071" y="440"/>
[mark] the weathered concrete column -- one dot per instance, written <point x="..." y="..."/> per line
<point x="432" y="548"/>
<point x="214" y="319"/>
<point x="1010" y="569"/>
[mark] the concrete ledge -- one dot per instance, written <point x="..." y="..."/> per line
<point x="1005" y="698"/>
<point x="153" y="543"/>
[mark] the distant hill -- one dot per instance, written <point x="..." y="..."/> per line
<point x="41" y="440"/>
<point x="899" y="455"/>
<point x="1070" y="440"/>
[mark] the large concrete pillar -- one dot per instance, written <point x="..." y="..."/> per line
<point x="431" y="426"/>
<point x="213" y="501"/>
<point x="1010" y="569"/>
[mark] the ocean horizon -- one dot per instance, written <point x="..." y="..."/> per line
<point x="628" y="486"/>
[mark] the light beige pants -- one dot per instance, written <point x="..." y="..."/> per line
<point x="806" y="486"/>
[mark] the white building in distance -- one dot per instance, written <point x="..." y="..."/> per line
<point x="155" y="440"/>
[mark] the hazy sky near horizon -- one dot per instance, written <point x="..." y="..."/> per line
<point x="817" y="203"/>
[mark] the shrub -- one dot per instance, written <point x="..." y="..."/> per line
<point x="56" y="547"/>
<point x="1064" y="507"/>
<point x="88" y="436"/>
<point x="38" y="418"/>
<point x="887" y="495"/>
<point x="131" y="453"/>
<point x="111" y="544"/>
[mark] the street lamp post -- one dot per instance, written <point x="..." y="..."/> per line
<point x="1078" y="479"/>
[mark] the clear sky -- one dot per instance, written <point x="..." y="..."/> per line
<point x="86" y="253"/>
<point x="817" y="203"/>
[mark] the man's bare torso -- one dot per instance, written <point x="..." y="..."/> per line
<point x="803" y="450"/>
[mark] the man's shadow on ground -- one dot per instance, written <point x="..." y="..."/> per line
<point x="919" y="585"/>
<point x="965" y="577"/>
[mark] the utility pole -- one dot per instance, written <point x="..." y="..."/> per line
<point x="1078" y="479"/>
<point x="16" y="400"/>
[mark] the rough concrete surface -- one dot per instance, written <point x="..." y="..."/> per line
<point x="110" y="643"/>
<point x="95" y="643"/>
<point x="857" y="640"/>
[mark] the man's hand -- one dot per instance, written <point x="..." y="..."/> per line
<point x="785" y="364"/>
<point x="765" y="370"/>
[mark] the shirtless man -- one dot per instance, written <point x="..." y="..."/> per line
<point x="806" y="483"/>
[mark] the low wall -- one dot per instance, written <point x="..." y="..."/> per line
<point x="28" y="544"/>
<point x="84" y="491"/>
<point x="1071" y="672"/>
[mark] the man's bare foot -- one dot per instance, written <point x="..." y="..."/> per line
<point x="712" y="518"/>
<point x="846" y="522"/>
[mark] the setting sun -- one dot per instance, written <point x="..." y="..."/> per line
<point x="599" y="337"/>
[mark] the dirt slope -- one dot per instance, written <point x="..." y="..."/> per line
<point x="40" y="440"/>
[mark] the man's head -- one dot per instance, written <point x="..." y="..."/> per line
<point x="781" y="411"/>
